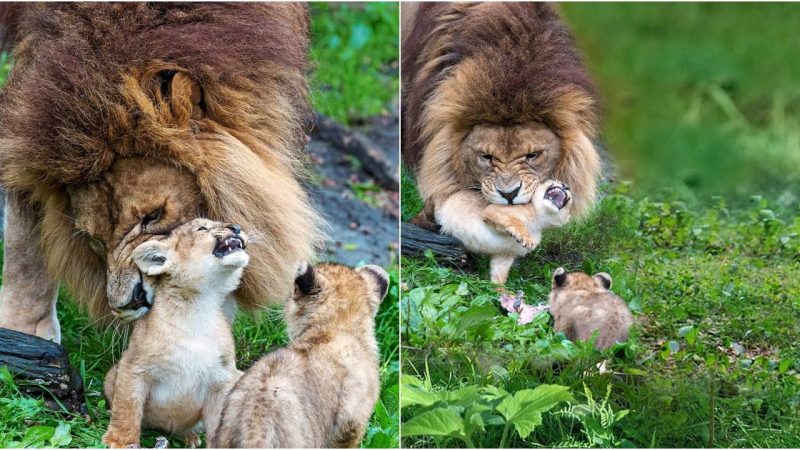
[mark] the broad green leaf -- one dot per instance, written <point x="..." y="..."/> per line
<point x="6" y="377"/>
<point x="415" y="395"/>
<point x="37" y="434"/>
<point x="476" y="316"/>
<point x="436" y="422"/>
<point x="410" y="380"/>
<point x="463" y="397"/>
<point x="494" y="393"/>
<point x="524" y="409"/>
<point x="462" y="290"/>
<point x="61" y="436"/>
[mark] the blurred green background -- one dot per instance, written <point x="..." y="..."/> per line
<point x="702" y="98"/>
<point x="355" y="49"/>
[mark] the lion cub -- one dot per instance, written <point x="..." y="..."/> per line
<point x="180" y="360"/>
<point x="581" y="305"/>
<point x="320" y="390"/>
<point x="549" y="208"/>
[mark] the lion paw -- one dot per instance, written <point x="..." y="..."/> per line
<point x="192" y="440"/>
<point x="523" y="238"/>
<point x="113" y="440"/>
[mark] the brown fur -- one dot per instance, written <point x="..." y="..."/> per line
<point x="319" y="391"/>
<point x="173" y="383"/>
<point x="114" y="110"/>
<point x="582" y="305"/>
<point x="498" y="65"/>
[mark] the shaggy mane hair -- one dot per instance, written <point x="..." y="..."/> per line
<point x="497" y="63"/>
<point x="87" y="89"/>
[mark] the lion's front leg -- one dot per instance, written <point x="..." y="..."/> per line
<point x="28" y="295"/>
<point x="512" y="219"/>
<point x="460" y="216"/>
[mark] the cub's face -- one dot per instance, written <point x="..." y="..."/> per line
<point x="334" y="295"/>
<point x="564" y="281"/>
<point x="135" y="200"/>
<point x="200" y="255"/>
<point x="509" y="161"/>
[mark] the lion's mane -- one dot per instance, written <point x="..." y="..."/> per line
<point x="499" y="63"/>
<point x="81" y="95"/>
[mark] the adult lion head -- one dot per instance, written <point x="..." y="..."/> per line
<point x="121" y="121"/>
<point x="496" y="98"/>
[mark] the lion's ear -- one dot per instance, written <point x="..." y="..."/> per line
<point x="603" y="280"/>
<point x="184" y="95"/>
<point x="152" y="258"/>
<point x="378" y="281"/>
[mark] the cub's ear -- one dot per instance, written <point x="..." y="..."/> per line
<point x="153" y="258"/>
<point x="603" y="280"/>
<point x="559" y="277"/>
<point x="305" y="281"/>
<point x="377" y="279"/>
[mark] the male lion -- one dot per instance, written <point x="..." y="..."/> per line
<point x="496" y="100"/>
<point x="121" y="121"/>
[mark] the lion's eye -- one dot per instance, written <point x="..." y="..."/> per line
<point x="97" y="246"/>
<point x="533" y="155"/>
<point x="487" y="157"/>
<point x="152" y="216"/>
<point x="202" y="229"/>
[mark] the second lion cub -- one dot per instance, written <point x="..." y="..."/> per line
<point x="180" y="361"/>
<point x="320" y="390"/>
<point x="581" y="305"/>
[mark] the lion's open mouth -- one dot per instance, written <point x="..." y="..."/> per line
<point x="229" y="245"/>
<point x="557" y="194"/>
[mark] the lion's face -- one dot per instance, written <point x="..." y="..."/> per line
<point x="134" y="201"/>
<point x="509" y="161"/>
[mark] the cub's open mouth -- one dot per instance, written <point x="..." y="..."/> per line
<point x="229" y="245"/>
<point x="557" y="194"/>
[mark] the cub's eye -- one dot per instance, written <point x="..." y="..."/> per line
<point x="487" y="157"/>
<point x="152" y="216"/>
<point x="533" y="155"/>
<point x="202" y="229"/>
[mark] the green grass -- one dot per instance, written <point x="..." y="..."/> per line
<point x="355" y="49"/>
<point x="701" y="113"/>
<point x="355" y="52"/>
<point x="716" y="295"/>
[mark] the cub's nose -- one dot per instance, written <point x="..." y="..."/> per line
<point x="235" y="228"/>
<point x="510" y="195"/>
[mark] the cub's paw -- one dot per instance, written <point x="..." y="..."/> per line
<point x="523" y="237"/>
<point x="114" y="440"/>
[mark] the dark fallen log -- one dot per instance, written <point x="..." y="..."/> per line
<point x="415" y="240"/>
<point x="41" y="368"/>
<point x="372" y="157"/>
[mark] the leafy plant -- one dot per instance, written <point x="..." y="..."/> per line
<point x="467" y="412"/>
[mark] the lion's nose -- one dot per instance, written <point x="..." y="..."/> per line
<point x="138" y="298"/>
<point x="235" y="228"/>
<point x="509" y="196"/>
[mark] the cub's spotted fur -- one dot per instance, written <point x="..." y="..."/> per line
<point x="581" y="305"/>
<point x="180" y="361"/>
<point x="320" y="390"/>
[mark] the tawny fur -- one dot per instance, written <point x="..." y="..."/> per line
<point x="319" y="391"/>
<point x="180" y="361"/>
<point x="113" y="111"/>
<point x="582" y="305"/>
<point x="489" y="78"/>
<point x="504" y="232"/>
